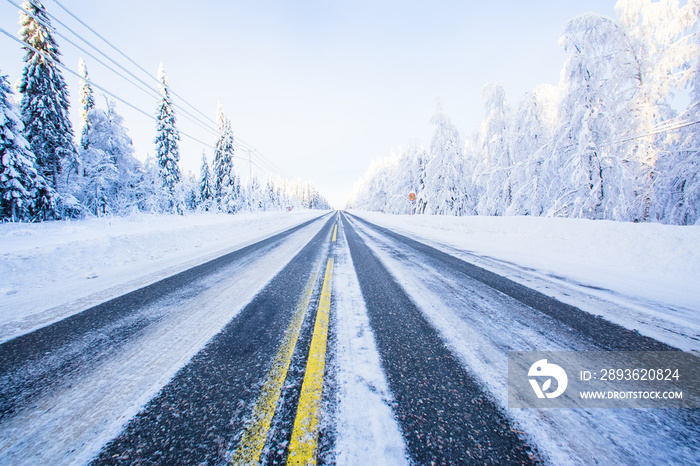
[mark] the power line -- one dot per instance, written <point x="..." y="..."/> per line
<point x="55" y="31"/>
<point x="127" y="57"/>
<point x="41" y="21"/>
<point x="101" y="37"/>
<point x="155" y="92"/>
<point x="270" y="167"/>
<point x="114" y="96"/>
<point x="659" y="131"/>
<point x="267" y="165"/>
<point x="262" y="157"/>
<point x="260" y="162"/>
<point x="243" y="145"/>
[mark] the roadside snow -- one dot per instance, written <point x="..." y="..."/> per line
<point x="55" y="269"/>
<point x="367" y="432"/>
<point x="641" y="276"/>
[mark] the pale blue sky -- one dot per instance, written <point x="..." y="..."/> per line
<point x="320" y="88"/>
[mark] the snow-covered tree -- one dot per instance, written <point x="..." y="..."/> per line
<point x="206" y="185"/>
<point x="405" y="178"/>
<point x="271" y="195"/>
<point x="605" y="144"/>
<point x="74" y="178"/>
<point x="387" y="184"/>
<point x="422" y="178"/>
<point x="227" y="187"/>
<point x="23" y="191"/>
<point x="444" y="170"/>
<point x="129" y="168"/>
<point x="111" y="173"/>
<point x="87" y="103"/>
<point x="255" y="197"/>
<point x="186" y="193"/>
<point x="661" y="39"/>
<point x="150" y="189"/>
<point x="662" y="36"/>
<point x="167" y="139"/>
<point x="678" y="188"/>
<point x="493" y="176"/>
<point x="589" y="177"/>
<point x="44" y="106"/>
<point x="412" y="158"/>
<point x="532" y="127"/>
<point x="370" y="192"/>
<point x="99" y="188"/>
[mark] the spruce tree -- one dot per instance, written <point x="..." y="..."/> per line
<point x="206" y="188"/>
<point x="226" y="185"/>
<point x="87" y="103"/>
<point x="271" y="195"/>
<point x="44" y="106"/>
<point x="23" y="192"/>
<point x="167" y="137"/>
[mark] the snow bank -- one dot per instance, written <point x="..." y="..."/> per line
<point x="54" y="269"/>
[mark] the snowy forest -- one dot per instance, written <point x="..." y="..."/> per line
<point x="48" y="171"/>
<point x="605" y="143"/>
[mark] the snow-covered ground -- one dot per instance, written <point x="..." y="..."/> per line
<point x="641" y="276"/>
<point x="54" y="269"/>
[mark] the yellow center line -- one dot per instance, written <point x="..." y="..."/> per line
<point x="302" y="448"/>
<point x="335" y="230"/>
<point x="253" y="441"/>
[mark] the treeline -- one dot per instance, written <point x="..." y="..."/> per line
<point x="46" y="174"/>
<point x="603" y="144"/>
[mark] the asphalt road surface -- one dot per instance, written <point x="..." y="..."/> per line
<point x="244" y="363"/>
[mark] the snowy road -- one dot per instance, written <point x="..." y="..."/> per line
<point x="68" y="388"/>
<point x="336" y="341"/>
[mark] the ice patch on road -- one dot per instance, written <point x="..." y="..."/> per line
<point x="367" y="431"/>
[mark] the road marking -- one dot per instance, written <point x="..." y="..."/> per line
<point x="253" y="441"/>
<point x="302" y="448"/>
<point x="335" y="230"/>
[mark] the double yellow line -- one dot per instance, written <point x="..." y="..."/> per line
<point x="302" y="448"/>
